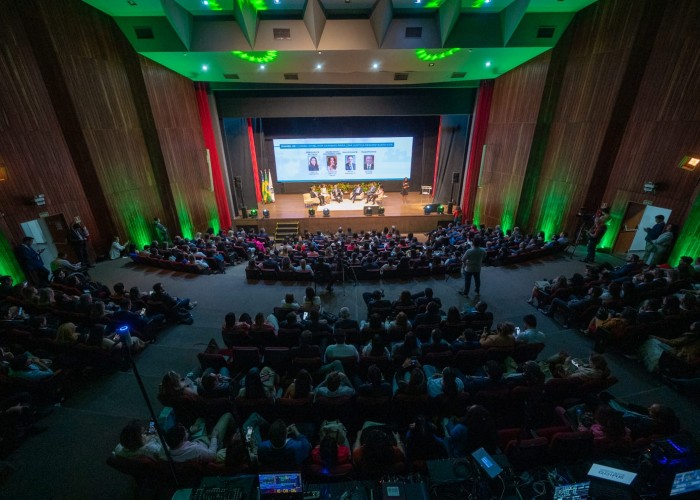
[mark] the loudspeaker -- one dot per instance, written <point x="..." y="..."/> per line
<point x="455" y="177"/>
<point x="244" y="212"/>
<point x="450" y="206"/>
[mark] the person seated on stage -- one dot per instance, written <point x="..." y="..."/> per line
<point x="380" y="193"/>
<point x="356" y="192"/>
<point x="314" y="194"/>
<point x="337" y="194"/>
<point x="371" y="194"/>
<point x="324" y="195"/>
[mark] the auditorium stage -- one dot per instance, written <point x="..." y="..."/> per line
<point x="407" y="217"/>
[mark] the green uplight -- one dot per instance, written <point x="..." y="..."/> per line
<point x="477" y="4"/>
<point x="139" y="229"/>
<point x="8" y="262"/>
<point x="688" y="242"/>
<point x="256" y="57"/>
<point x="214" y="218"/>
<point x="616" y="215"/>
<point x="509" y="207"/>
<point x="556" y="203"/>
<point x="435" y="55"/>
<point x="434" y="4"/>
<point x="183" y="216"/>
<point x="477" y="211"/>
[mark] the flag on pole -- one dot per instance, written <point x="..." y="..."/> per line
<point x="263" y="187"/>
<point x="270" y="187"/>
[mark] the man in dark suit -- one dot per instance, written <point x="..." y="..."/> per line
<point x="356" y="192"/>
<point x="78" y="240"/>
<point x="369" y="162"/>
<point x="350" y="163"/>
<point x="653" y="233"/>
<point x="31" y="263"/>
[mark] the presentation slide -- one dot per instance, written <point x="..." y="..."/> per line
<point x="343" y="160"/>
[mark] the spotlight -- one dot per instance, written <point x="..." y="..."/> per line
<point x="266" y="213"/>
<point x="312" y="212"/>
<point x="380" y="210"/>
<point x="427" y="209"/>
<point x="326" y="212"/>
<point x="441" y="209"/>
<point x="368" y="211"/>
<point x="253" y="213"/>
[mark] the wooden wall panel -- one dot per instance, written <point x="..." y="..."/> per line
<point x="87" y="47"/>
<point x="665" y="122"/>
<point x="602" y="42"/>
<point x="176" y="117"/>
<point x="512" y="120"/>
<point x="32" y="147"/>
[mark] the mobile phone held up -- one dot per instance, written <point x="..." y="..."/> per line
<point x="151" y="427"/>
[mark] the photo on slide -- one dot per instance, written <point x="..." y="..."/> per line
<point x="313" y="164"/>
<point x="369" y="162"/>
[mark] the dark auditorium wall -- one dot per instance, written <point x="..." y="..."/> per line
<point x="618" y="106"/>
<point x="512" y="122"/>
<point x="121" y="134"/>
<point x="182" y="143"/>
<point x="664" y="124"/>
<point x="32" y="146"/>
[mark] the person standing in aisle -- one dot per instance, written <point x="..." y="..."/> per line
<point x="471" y="266"/>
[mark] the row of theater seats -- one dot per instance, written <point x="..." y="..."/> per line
<point x="351" y="273"/>
<point x="241" y="359"/>
<point x="175" y="266"/>
<point x="537" y="253"/>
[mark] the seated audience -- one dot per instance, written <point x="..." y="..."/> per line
<point x="202" y="449"/>
<point x="135" y="442"/>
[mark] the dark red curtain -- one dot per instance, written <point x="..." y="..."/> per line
<point x="210" y="143"/>
<point x="481" y="123"/>
<point x="254" y="161"/>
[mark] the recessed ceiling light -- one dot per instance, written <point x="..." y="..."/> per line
<point x="205" y="3"/>
<point x="277" y="2"/>
<point x="319" y="66"/>
<point x="262" y="66"/>
<point x="488" y="63"/>
<point x="205" y="67"/>
<point x="431" y="64"/>
<point x="487" y="1"/>
<point x="375" y="65"/>
<point x="417" y="1"/>
<point x="319" y="52"/>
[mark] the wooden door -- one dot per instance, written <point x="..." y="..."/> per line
<point x="630" y="223"/>
<point x="59" y="233"/>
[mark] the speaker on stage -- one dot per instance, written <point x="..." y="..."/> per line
<point x="450" y="206"/>
<point x="244" y="212"/>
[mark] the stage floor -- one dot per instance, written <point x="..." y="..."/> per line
<point x="291" y="206"/>
<point x="407" y="217"/>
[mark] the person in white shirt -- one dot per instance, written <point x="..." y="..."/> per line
<point x="530" y="335"/>
<point x="202" y="449"/>
<point x="340" y="349"/>
<point x="117" y="248"/>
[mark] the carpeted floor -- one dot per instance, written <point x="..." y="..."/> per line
<point x="68" y="460"/>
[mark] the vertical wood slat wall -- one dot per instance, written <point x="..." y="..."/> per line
<point x="32" y="146"/>
<point x="656" y="130"/>
<point x="107" y="118"/>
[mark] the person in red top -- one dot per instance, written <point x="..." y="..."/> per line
<point x="328" y="453"/>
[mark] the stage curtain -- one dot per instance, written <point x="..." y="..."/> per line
<point x="478" y="139"/>
<point x="451" y="152"/>
<point x="210" y="143"/>
<point x="238" y="163"/>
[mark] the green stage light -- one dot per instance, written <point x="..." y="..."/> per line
<point x="434" y="4"/>
<point x="257" y="57"/>
<point x="253" y="213"/>
<point x="256" y="4"/>
<point x="688" y="242"/>
<point x="435" y="55"/>
<point x="213" y="5"/>
<point x="441" y="209"/>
